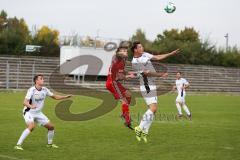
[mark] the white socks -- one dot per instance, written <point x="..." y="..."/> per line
<point x="179" y="108"/>
<point x="146" y="120"/>
<point x="50" y="136"/>
<point x="24" y="135"/>
<point x="26" y="132"/>
<point x="186" y="109"/>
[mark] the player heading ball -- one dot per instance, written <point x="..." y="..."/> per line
<point x="142" y="64"/>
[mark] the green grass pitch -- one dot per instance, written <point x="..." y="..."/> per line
<point x="213" y="134"/>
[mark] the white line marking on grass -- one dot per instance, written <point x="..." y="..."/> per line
<point x="228" y="148"/>
<point x="8" y="157"/>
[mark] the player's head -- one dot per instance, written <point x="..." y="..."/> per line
<point x="38" y="79"/>
<point x="122" y="52"/>
<point x="137" y="47"/>
<point x="178" y="75"/>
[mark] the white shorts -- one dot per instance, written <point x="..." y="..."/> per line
<point x="39" y="118"/>
<point x="180" y="99"/>
<point x="150" y="97"/>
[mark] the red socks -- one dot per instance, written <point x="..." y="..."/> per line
<point x="125" y="113"/>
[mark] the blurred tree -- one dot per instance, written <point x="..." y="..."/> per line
<point x="14" y="35"/>
<point x="187" y="40"/>
<point x="48" y="39"/>
<point x="140" y="36"/>
<point x="193" y="50"/>
<point x="3" y="20"/>
<point x="231" y="57"/>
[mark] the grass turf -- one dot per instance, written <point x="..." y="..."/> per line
<point x="212" y="134"/>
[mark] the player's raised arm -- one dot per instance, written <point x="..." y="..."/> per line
<point x="59" y="97"/>
<point x="154" y="74"/>
<point x="164" y="56"/>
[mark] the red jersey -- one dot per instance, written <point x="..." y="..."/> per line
<point x="116" y="88"/>
<point x="117" y="66"/>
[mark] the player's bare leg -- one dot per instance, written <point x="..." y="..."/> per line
<point x="50" y="135"/>
<point x="25" y="133"/>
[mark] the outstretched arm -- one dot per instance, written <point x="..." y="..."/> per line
<point x="164" y="56"/>
<point x="59" y="97"/>
<point x="155" y="74"/>
<point x="130" y="75"/>
<point x="126" y="75"/>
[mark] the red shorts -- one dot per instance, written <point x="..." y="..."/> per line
<point x="116" y="89"/>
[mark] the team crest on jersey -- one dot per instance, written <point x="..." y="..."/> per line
<point x="38" y="97"/>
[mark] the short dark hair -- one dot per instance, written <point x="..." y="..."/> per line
<point x="121" y="47"/>
<point x="36" y="77"/>
<point x="134" y="45"/>
<point x="125" y="44"/>
<point x="179" y="72"/>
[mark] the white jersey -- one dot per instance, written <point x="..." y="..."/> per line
<point x="37" y="97"/>
<point x="141" y="64"/>
<point x="147" y="85"/>
<point x="180" y="83"/>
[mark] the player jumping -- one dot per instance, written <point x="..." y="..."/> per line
<point x="115" y="75"/>
<point x="32" y="112"/>
<point x="181" y="84"/>
<point x="141" y="63"/>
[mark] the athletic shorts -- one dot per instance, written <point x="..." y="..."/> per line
<point x="38" y="118"/>
<point x="180" y="99"/>
<point x="151" y="96"/>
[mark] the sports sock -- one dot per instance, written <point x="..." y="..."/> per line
<point x="50" y="136"/>
<point x="186" y="109"/>
<point x="125" y="113"/>
<point x="179" y="108"/>
<point x="24" y="135"/>
<point x="146" y="120"/>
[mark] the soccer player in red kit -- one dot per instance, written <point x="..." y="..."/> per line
<point x="116" y="74"/>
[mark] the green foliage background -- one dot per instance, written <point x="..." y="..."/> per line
<point x="15" y="35"/>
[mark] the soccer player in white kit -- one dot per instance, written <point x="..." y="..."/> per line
<point x="141" y="63"/>
<point x="32" y="111"/>
<point x="181" y="85"/>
